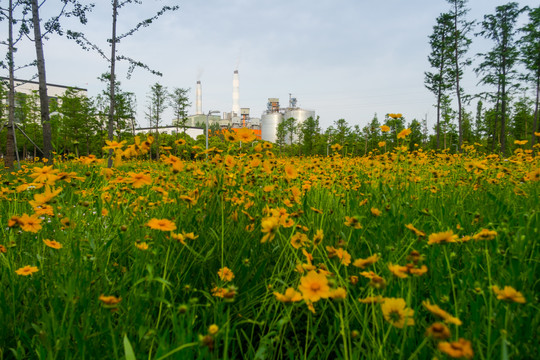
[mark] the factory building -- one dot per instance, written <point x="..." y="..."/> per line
<point x="274" y="115"/>
<point x="265" y="128"/>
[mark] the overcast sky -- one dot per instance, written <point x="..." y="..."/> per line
<point x="344" y="59"/>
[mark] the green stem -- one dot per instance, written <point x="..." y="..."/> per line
<point x="456" y="311"/>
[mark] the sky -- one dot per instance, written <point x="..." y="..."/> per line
<point x="344" y="59"/>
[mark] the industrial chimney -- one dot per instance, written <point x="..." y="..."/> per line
<point x="198" y="101"/>
<point x="236" y="94"/>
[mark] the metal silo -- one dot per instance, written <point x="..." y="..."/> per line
<point x="269" y="124"/>
<point x="300" y="115"/>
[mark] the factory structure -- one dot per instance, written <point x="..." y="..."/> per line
<point x="264" y="128"/>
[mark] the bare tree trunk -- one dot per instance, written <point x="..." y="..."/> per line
<point x="112" y="82"/>
<point x="535" y="123"/>
<point x="458" y="90"/>
<point x="10" y="139"/>
<point x="496" y="120"/>
<point x="503" y="111"/>
<point x="43" y="98"/>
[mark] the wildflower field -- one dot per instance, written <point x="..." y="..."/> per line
<point x="244" y="254"/>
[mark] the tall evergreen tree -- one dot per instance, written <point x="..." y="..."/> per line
<point x="440" y="81"/>
<point x="530" y="55"/>
<point x="499" y="65"/>
<point x="462" y="27"/>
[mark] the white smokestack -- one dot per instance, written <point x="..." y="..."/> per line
<point x="198" y="101"/>
<point x="236" y="93"/>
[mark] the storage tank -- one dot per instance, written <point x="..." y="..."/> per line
<point x="269" y="125"/>
<point x="300" y="115"/>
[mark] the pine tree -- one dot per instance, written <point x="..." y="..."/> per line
<point x="499" y="65"/>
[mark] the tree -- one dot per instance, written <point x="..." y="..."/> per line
<point x="478" y="124"/>
<point x="343" y="131"/>
<point x="498" y="65"/>
<point x="158" y="103"/>
<point x="81" y="39"/>
<point x="530" y="56"/>
<point x="440" y="58"/>
<point x="416" y="137"/>
<point x="179" y="102"/>
<point x="462" y="27"/>
<point x="51" y="26"/>
<point x="310" y="130"/>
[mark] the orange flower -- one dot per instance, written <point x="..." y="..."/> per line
<point x="290" y="295"/>
<point x="314" y="286"/>
<point x="457" y="349"/>
<point x="508" y="293"/>
<point x="225" y="274"/>
<point x="52" y="244"/>
<point x="27" y="270"/>
<point x="161" y="224"/>
<point x="385" y="128"/>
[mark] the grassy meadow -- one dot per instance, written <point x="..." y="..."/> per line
<point x="244" y="254"/>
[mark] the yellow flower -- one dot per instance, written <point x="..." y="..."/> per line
<point x="372" y="300"/>
<point x="139" y="179"/>
<point x="225" y="274"/>
<point x="485" y="234"/>
<point x="508" y="293"/>
<point x="269" y="226"/>
<point x="375" y="212"/>
<point x="44" y="174"/>
<point x="52" y="244"/>
<point x="314" y="286"/>
<point x="415" y="230"/>
<point x="521" y="142"/>
<point x="457" y="349"/>
<point x="290" y="295"/>
<point x="161" y="224"/>
<point x="338" y="294"/>
<point x="438" y="331"/>
<point x="245" y="135"/>
<point x="27" y="270"/>
<point x="290" y="171"/>
<point x="437" y="311"/>
<point x="398" y="270"/>
<point x="362" y="263"/>
<point x="114" y="145"/>
<point x="385" y="128"/>
<point x="213" y="329"/>
<point x="30" y="223"/>
<point x="109" y="300"/>
<point x="382" y="143"/>
<point x="442" y="237"/>
<point x="299" y="239"/>
<point x="353" y="221"/>
<point x="403" y="133"/>
<point x="318" y="237"/>
<point x="395" y="311"/>
<point x="141" y="246"/>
